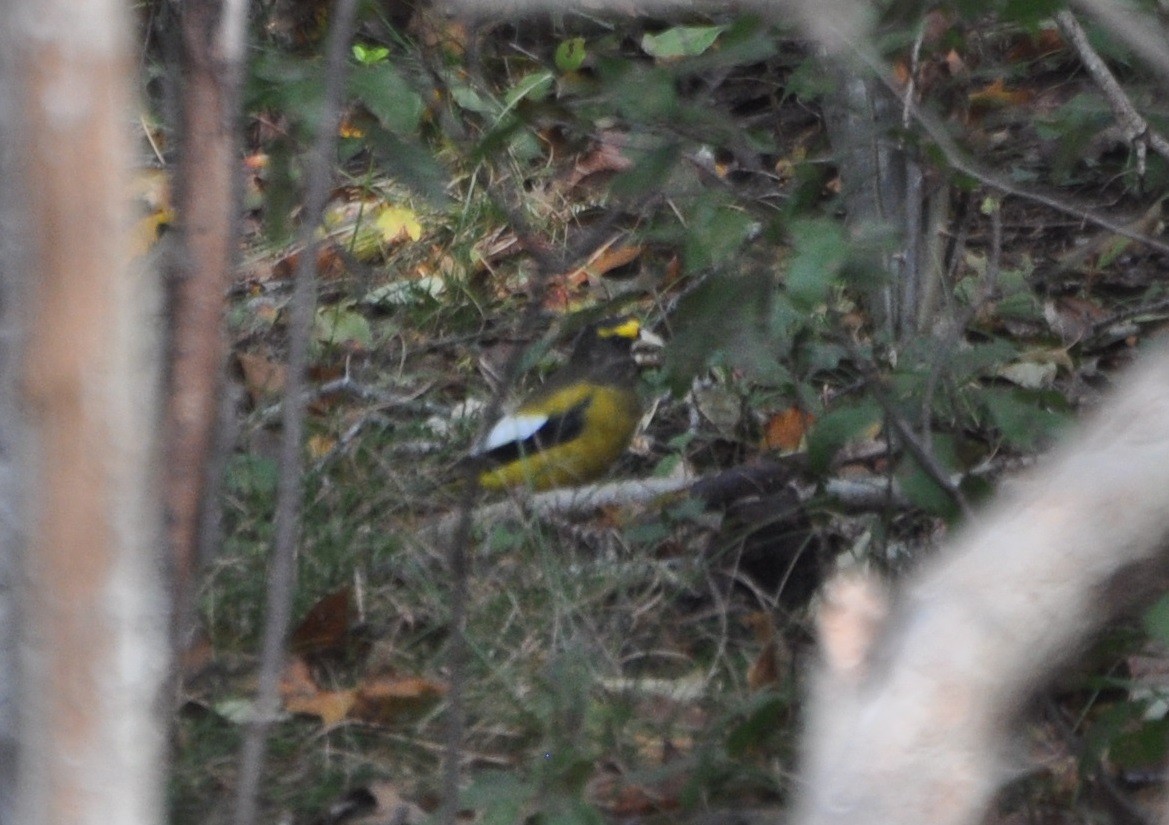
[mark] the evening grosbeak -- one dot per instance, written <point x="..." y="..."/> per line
<point x="575" y="427"/>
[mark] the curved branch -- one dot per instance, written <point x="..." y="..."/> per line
<point x="914" y="705"/>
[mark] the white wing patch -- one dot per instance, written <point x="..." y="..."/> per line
<point x="511" y="429"/>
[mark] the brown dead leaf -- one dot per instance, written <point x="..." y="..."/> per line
<point x="786" y="430"/>
<point x="766" y="671"/>
<point x="996" y="95"/>
<point x="954" y="64"/>
<point x="901" y="73"/>
<point x="621" y="796"/>
<point x="771" y="663"/>
<point x="330" y="706"/>
<point x="1073" y="318"/>
<point x="605" y="157"/>
<point x="1099" y="251"/>
<point x="569" y="289"/>
<point x="330" y="264"/>
<point x="501" y="244"/>
<point x="654" y="749"/>
<point x="440" y="33"/>
<point x="935" y="25"/>
<point x="263" y="376"/>
<point x="385" y="700"/>
<point x="1035" y="46"/>
<point x="197" y="655"/>
<point x="557" y="298"/>
<point x="320" y="445"/>
<point x="612" y="257"/>
<point x="324" y="630"/>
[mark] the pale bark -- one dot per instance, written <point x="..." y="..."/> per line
<point x="12" y="223"/>
<point x="912" y="714"/>
<point x="93" y="618"/>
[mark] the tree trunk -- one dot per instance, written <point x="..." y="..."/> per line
<point x="92" y="611"/>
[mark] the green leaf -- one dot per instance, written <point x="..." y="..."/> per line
<point x="822" y="356"/>
<point x="809" y="81"/>
<point x="723" y="313"/>
<point x="821" y="251"/>
<point x="649" y="171"/>
<point x="387" y="95"/>
<point x="921" y="488"/>
<point x="292" y="87"/>
<point x="500" y="798"/>
<point x="836" y="428"/>
<point x="340" y="326"/>
<point x="567" y="810"/>
<point x="981" y="358"/>
<point x="535" y="86"/>
<point x="405" y="292"/>
<point x="643" y="94"/>
<point x="281" y="193"/>
<point x="252" y="475"/>
<point x="368" y="55"/>
<point x="1140" y="748"/>
<point x="1156" y="620"/>
<point x="1022" y="416"/>
<point x="681" y="41"/>
<point x="570" y="54"/>
<point x="764" y="718"/>
<point x="410" y="163"/>
<point x="468" y="98"/>
<point x="717" y="232"/>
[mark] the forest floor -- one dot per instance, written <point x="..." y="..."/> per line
<point x="643" y="658"/>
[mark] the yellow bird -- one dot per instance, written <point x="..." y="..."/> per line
<point x="574" y="428"/>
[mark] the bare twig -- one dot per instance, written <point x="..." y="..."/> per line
<point x="1141" y="31"/>
<point x="958" y="159"/>
<point x="1128" y="314"/>
<point x="959" y="323"/>
<point x="455" y="535"/>
<point x="1135" y="127"/>
<point x="921" y="453"/>
<point x="282" y="572"/>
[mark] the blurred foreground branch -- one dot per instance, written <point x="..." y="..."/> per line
<point x="92" y="609"/>
<point x="912" y="712"/>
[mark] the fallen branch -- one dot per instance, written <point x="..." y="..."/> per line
<point x="856" y="494"/>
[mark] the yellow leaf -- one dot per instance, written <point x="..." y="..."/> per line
<point x="397" y="223"/>
<point x="331" y="706"/>
<point x="319" y="446"/>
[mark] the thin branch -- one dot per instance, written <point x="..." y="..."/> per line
<point x="921" y="454"/>
<point x="1141" y="32"/>
<point x="959" y="324"/>
<point x="282" y="573"/>
<point x="1135" y="127"/>
<point x="207" y="74"/>
<point x="456" y="537"/>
